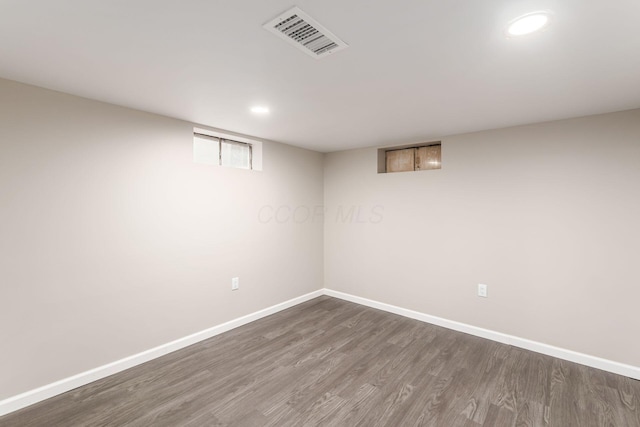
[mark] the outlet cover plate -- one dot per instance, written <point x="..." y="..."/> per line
<point x="482" y="290"/>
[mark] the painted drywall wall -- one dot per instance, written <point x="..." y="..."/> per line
<point x="546" y="215"/>
<point x="112" y="241"/>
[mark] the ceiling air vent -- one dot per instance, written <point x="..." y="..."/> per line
<point x="305" y="33"/>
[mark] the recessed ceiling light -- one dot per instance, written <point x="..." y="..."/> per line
<point x="529" y="23"/>
<point x="259" y="109"/>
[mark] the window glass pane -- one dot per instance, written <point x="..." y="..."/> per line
<point x="428" y="158"/>
<point x="205" y="150"/>
<point x="400" y="160"/>
<point x="236" y="155"/>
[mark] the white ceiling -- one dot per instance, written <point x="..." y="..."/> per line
<point x="414" y="70"/>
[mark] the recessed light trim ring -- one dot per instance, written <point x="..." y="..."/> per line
<point x="259" y="109"/>
<point x="529" y="23"/>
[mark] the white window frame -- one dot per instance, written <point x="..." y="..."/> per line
<point x="255" y="145"/>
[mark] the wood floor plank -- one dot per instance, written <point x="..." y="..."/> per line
<point x="329" y="362"/>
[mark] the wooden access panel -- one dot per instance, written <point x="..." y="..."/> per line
<point x="401" y="160"/>
<point x="429" y="157"/>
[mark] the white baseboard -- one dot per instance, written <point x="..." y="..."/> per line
<point x="538" y="347"/>
<point x="22" y="400"/>
<point x="39" y="394"/>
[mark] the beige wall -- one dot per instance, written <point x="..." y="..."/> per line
<point x="547" y="215"/>
<point x="112" y="241"/>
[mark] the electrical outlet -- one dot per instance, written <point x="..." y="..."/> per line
<point x="482" y="290"/>
<point x="235" y="283"/>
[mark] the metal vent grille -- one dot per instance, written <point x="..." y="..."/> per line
<point x="305" y="33"/>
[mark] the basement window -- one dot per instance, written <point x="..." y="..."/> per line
<point x="410" y="158"/>
<point x="235" y="154"/>
<point x="217" y="149"/>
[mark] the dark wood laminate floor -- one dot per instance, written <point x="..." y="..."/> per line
<point x="334" y="363"/>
